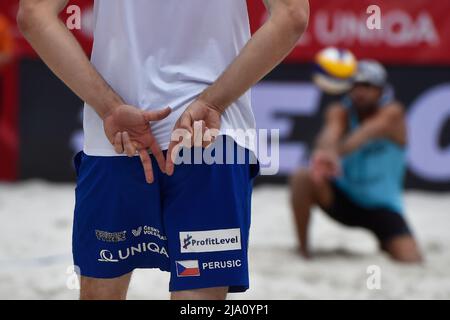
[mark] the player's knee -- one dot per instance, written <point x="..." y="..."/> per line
<point x="407" y="258"/>
<point x="103" y="289"/>
<point x="95" y="294"/>
<point x="408" y="255"/>
<point x="404" y="250"/>
<point x="219" y="293"/>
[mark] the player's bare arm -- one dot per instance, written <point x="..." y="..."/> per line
<point x="389" y="123"/>
<point x="265" y="50"/>
<point x="334" y="128"/>
<point x="126" y="127"/>
<point x="325" y="157"/>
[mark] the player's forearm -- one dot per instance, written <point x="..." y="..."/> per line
<point x="267" y="48"/>
<point x="329" y="140"/>
<point x="387" y="124"/>
<point x="360" y="137"/>
<point x="59" y="49"/>
<point x="334" y="129"/>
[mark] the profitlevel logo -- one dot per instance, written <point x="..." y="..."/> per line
<point x="210" y="241"/>
<point x="187" y="241"/>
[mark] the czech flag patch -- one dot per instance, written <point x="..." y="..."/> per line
<point x="187" y="268"/>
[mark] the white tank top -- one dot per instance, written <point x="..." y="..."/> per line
<point x="158" y="53"/>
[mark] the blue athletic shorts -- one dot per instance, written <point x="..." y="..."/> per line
<point x="194" y="224"/>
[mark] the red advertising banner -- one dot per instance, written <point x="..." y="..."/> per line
<point x="9" y="131"/>
<point x="412" y="32"/>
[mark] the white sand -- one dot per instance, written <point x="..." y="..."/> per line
<point x="35" y="242"/>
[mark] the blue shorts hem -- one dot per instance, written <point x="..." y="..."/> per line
<point x="236" y="288"/>
<point x="120" y="273"/>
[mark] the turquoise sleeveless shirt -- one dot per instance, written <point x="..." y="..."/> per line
<point x="372" y="176"/>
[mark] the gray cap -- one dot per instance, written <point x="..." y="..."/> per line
<point x="372" y="72"/>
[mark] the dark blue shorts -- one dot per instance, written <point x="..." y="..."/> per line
<point x="384" y="223"/>
<point x="194" y="224"/>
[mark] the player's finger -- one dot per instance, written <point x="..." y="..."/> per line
<point x="156" y="115"/>
<point x="130" y="148"/>
<point x="181" y="136"/>
<point x="186" y="122"/>
<point x="170" y="158"/>
<point x="118" y="143"/>
<point x="207" y="138"/>
<point x="158" y="154"/>
<point x="199" y="130"/>
<point x="210" y="136"/>
<point x="147" y="165"/>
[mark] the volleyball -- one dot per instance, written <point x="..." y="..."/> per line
<point x="334" y="70"/>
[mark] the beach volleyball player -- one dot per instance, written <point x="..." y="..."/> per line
<point x="198" y="58"/>
<point x="356" y="170"/>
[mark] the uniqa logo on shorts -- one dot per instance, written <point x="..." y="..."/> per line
<point x="210" y="241"/>
<point x="108" y="256"/>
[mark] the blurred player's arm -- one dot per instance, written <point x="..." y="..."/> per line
<point x="389" y="123"/>
<point x="266" y="49"/>
<point x="324" y="162"/>
<point x="334" y="129"/>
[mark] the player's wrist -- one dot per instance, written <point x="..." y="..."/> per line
<point x="330" y="150"/>
<point x="206" y="99"/>
<point x="109" y="107"/>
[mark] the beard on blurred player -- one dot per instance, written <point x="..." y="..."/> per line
<point x="356" y="170"/>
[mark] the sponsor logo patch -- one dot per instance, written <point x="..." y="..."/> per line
<point x="111" y="236"/>
<point x="148" y="230"/>
<point x="137" y="232"/>
<point x="107" y="256"/>
<point x="187" y="268"/>
<point x="210" y="241"/>
<point x="154" y="232"/>
<point x="124" y="254"/>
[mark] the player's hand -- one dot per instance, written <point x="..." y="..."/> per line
<point x="128" y="130"/>
<point x="197" y="126"/>
<point x="324" y="165"/>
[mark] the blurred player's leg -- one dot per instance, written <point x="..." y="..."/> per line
<point x="403" y="249"/>
<point x="201" y="294"/>
<point x="305" y="194"/>
<point x="104" y="289"/>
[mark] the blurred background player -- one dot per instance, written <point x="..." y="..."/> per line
<point x="357" y="168"/>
